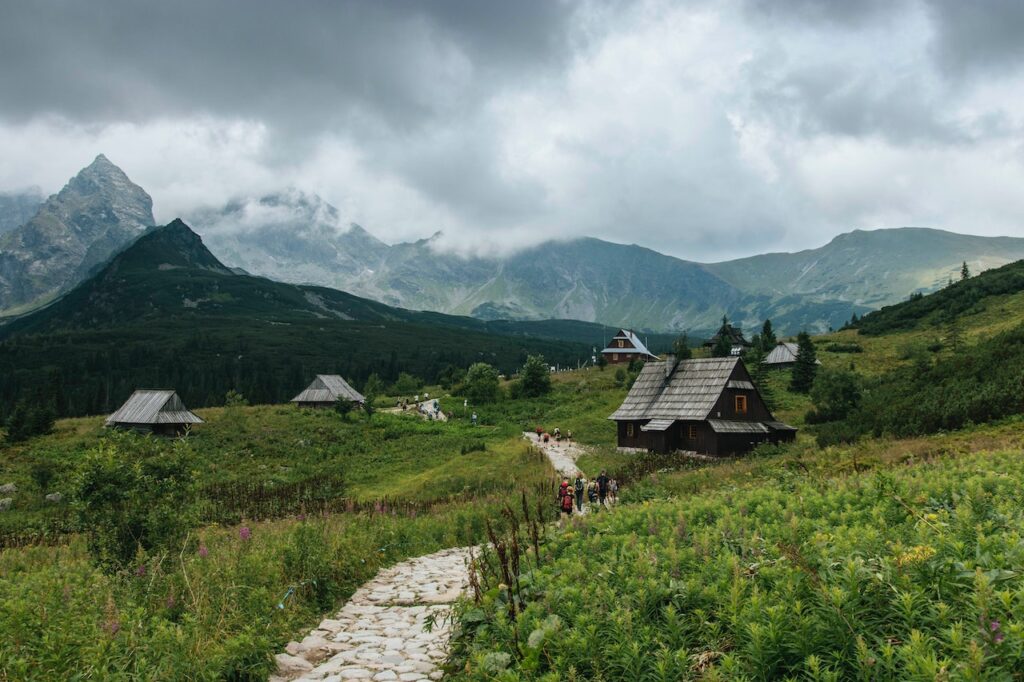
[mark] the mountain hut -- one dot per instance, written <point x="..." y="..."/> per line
<point x="625" y="347"/>
<point x="325" y="391"/>
<point x="154" y="411"/>
<point x="705" y="405"/>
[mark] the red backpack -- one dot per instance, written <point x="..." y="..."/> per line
<point x="567" y="502"/>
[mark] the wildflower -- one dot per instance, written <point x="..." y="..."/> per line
<point x="112" y="626"/>
<point x="998" y="639"/>
<point x="244" y="532"/>
<point x="301" y="517"/>
<point x="502" y="587"/>
<point x="203" y="552"/>
<point x="994" y="626"/>
<point x="141" y="571"/>
<point x="171" y="602"/>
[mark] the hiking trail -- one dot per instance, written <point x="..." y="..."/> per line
<point x="380" y="632"/>
<point x="562" y="455"/>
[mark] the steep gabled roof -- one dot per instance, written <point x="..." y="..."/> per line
<point x="690" y="392"/>
<point x="638" y="345"/>
<point x="153" y="407"/>
<point x="783" y="354"/>
<point x="327" y="388"/>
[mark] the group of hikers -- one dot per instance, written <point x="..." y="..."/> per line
<point x="545" y="437"/>
<point x="602" y="491"/>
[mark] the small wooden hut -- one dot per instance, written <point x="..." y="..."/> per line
<point x="154" y="411"/>
<point x="326" y="390"/>
<point x="705" y="405"/>
<point x="625" y="347"/>
<point x="782" y="356"/>
<point x="733" y="336"/>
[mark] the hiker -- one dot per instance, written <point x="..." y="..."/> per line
<point x="592" y="492"/>
<point x="558" y="434"/>
<point x="546" y="437"/>
<point x="417" y="398"/>
<point x="474" y="419"/>
<point x="580" y="486"/>
<point x="613" y="491"/>
<point x="565" y="504"/>
<point x="568" y="436"/>
<point x="602" y="486"/>
<point x="539" y="431"/>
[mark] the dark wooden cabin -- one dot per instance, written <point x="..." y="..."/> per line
<point x="706" y="405"/>
<point x="625" y="347"/>
<point x="733" y="335"/>
<point x="326" y="390"/>
<point x="154" y="411"/>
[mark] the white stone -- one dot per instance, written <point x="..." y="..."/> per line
<point x="289" y="665"/>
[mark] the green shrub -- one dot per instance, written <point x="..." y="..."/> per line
<point x="481" y="384"/>
<point x="535" y="378"/>
<point x="133" y="500"/>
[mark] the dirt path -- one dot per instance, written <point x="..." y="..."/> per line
<point x="424" y="409"/>
<point x="380" y="633"/>
<point x="562" y="455"/>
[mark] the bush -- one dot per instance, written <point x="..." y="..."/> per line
<point x="133" y="500"/>
<point x="836" y="393"/>
<point x="28" y="420"/>
<point x="535" y="378"/>
<point x="620" y="376"/>
<point x="844" y="348"/>
<point x="481" y="385"/>
<point x="406" y="383"/>
<point x="310" y="567"/>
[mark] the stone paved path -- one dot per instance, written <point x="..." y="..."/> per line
<point x="379" y="634"/>
<point x="562" y="455"/>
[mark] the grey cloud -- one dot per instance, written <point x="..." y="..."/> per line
<point x="975" y="38"/>
<point x="300" y="64"/>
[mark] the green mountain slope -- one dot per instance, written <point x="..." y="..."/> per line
<point x="166" y="312"/>
<point x="871" y="268"/>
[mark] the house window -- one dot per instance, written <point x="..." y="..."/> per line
<point x="629" y="430"/>
<point x="615" y="357"/>
<point x="622" y="344"/>
<point x="691" y="431"/>
<point x="741" y="404"/>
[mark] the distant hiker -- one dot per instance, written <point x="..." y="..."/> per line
<point x="602" y="486"/>
<point x="579" y="486"/>
<point x="436" y="406"/>
<point x="539" y="432"/>
<point x="417" y="398"/>
<point x="546" y="437"/>
<point x="568" y="436"/>
<point x="613" y="491"/>
<point x="558" y="434"/>
<point x="592" y="492"/>
<point x="474" y="419"/>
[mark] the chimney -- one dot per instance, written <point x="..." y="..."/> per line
<point x="670" y="364"/>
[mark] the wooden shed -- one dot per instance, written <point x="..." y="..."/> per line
<point x="326" y="390"/>
<point x="783" y="355"/>
<point x="625" y="347"/>
<point x="155" y="411"/>
<point x="705" y="405"/>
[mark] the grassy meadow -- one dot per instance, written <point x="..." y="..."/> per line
<point x="889" y="558"/>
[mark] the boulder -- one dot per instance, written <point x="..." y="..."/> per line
<point x="54" y="498"/>
<point x="6" y="503"/>
<point x="8" y="489"/>
<point x="288" y="665"/>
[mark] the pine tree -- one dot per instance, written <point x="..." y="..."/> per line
<point x="806" y="366"/>
<point x="759" y="376"/>
<point x="964" y="272"/>
<point x="768" y="339"/>
<point x="681" y="347"/>
<point x="722" y="347"/>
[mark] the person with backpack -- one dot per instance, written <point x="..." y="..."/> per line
<point x="613" y="491"/>
<point x="602" y="487"/>
<point x="579" y="487"/>
<point x="592" y="492"/>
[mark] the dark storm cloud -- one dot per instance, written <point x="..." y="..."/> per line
<point x="296" y="63"/>
<point x="978" y="37"/>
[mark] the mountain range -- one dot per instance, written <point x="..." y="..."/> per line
<point x="93" y="217"/>
<point x="299" y="238"/>
<point x="166" y="312"/>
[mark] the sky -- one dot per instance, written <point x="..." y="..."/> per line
<point x="706" y="130"/>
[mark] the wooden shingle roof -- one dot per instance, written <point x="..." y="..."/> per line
<point x="783" y="354"/>
<point x="638" y="345"/>
<point x="327" y="388"/>
<point x="690" y="392"/>
<point x="153" y="407"/>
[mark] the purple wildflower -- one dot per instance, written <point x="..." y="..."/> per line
<point x="141" y="571"/>
<point x="112" y="626"/>
<point x="203" y="552"/>
<point x="244" y="532"/>
<point x="994" y="626"/>
<point x="301" y="517"/>
<point x="998" y="639"/>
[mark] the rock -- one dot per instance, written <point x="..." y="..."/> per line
<point x="355" y="674"/>
<point x="293" y="648"/>
<point x="290" y="665"/>
<point x="8" y="489"/>
<point x="55" y="498"/>
<point x="385" y="675"/>
<point x="6" y="503"/>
